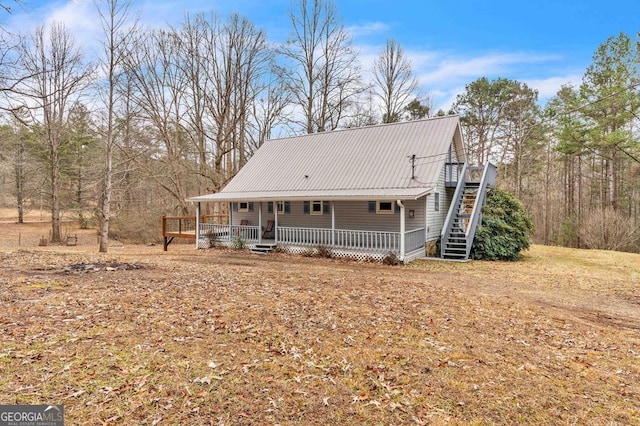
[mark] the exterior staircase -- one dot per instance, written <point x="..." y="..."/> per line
<point x="465" y="212"/>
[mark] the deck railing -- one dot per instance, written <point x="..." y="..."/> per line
<point x="452" y="173"/>
<point x="178" y="225"/>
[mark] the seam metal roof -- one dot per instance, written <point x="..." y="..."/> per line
<point x="361" y="163"/>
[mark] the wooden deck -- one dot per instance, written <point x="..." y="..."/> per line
<point x="185" y="226"/>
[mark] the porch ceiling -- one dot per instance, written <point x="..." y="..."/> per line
<point x="329" y="195"/>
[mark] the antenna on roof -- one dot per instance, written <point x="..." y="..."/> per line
<point x="412" y="158"/>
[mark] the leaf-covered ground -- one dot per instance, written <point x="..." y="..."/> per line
<point x="139" y="336"/>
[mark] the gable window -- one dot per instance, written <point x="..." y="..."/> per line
<point x="436" y="201"/>
<point x="384" y="207"/>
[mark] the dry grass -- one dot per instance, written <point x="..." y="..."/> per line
<point x="224" y="337"/>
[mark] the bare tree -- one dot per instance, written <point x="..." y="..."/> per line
<point x="394" y="81"/>
<point x="521" y="136"/>
<point x="158" y="89"/>
<point x="56" y="74"/>
<point x="16" y="141"/>
<point x="323" y="74"/>
<point x="269" y="111"/>
<point x="237" y="63"/>
<point x="115" y="21"/>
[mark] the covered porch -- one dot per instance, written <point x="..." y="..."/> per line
<point x="402" y="236"/>
<point x="376" y="244"/>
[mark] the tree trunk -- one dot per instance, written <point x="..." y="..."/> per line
<point x="613" y="187"/>
<point x="106" y="202"/>
<point x="56" y="236"/>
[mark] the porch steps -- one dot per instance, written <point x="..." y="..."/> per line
<point x="263" y="248"/>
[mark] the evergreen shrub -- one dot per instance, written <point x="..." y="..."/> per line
<point x="506" y="228"/>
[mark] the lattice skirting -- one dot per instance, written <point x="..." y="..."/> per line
<point x="336" y="253"/>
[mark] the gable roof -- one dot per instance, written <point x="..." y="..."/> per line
<point x="362" y="163"/>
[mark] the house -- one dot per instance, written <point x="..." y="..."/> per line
<point x="363" y="192"/>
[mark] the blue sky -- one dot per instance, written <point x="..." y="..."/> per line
<point x="545" y="43"/>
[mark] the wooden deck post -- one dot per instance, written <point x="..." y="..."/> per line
<point x="164" y="232"/>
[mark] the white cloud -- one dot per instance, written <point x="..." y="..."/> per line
<point x="444" y="74"/>
<point x="367" y="29"/>
<point x="455" y="68"/>
<point x="79" y="17"/>
<point x="548" y="87"/>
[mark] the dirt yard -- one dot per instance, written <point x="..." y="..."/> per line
<point x="140" y="336"/>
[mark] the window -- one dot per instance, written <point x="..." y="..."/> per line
<point x="283" y="207"/>
<point x="436" y="202"/>
<point x="316" y="207"/>
<point x="243" y="207"/>
<point x="384" y="207"/>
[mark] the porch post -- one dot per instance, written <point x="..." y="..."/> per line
<point x="197" y="224"/>
<point x="275" y="228"/>
<point x="260" y="222"/>
<point x="402" y="227"/>
<point x="426" y="218"/>
<point x="333" y="224"/>
<point x="230" y="221"/>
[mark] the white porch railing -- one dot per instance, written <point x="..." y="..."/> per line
<point x="371" y="241"/>
<point x="229" y="232"/>
<point x="343" y="238"/>
<point x="414" y="240"/>
<point x="377" y="241"/>
<point x="304" y="236"/>
<point x="368" y="241"/>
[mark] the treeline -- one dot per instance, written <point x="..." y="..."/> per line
<point x="163" y="114"/>
<point x="574" y="162"/>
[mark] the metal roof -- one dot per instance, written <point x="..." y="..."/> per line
<point x="361" y="163"/>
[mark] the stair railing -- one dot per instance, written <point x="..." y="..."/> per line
<point x="453" y="208"/>
<point x="488" y="180"/>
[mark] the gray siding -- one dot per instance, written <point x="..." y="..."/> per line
<point x="418" y="220"/>
<point x="349" y="215"/>
<point x="435" y="219"/>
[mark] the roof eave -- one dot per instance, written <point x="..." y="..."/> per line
<point x="237" y="197"/>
